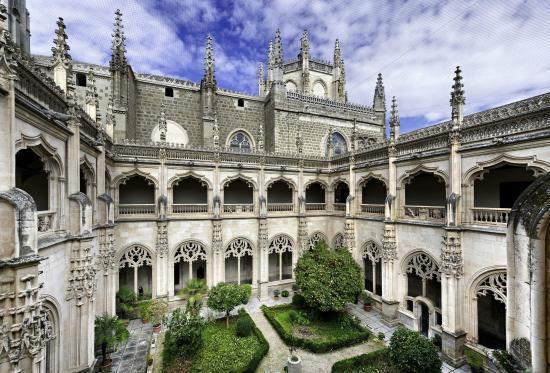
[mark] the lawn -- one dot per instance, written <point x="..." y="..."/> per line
<point x="374" y="362"/>
<point x="224" y="351"/>
<point x="319" y="332"/>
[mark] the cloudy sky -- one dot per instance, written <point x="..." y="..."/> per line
<point x="503" y="46"/>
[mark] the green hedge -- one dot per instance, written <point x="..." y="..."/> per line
<point x="376" y="361"/>
<point x="261" y="352"/>
<point x="317" y="346"/>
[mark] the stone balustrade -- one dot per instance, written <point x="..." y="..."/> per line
<point x="136" y="209"/>
<point x="189" y="208"/>
<point x="424" y="212"/>
<point x="339" y="207"/>
<point x="372" y="209"/>
<point x="280" y="207"/>
<point x="490" y="215"/>
<point x="45" y="221"/>
<point x="238" y="208"/>
<point x="316" y="206"/>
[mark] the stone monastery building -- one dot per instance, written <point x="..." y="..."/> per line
<point x="111" y="178"/>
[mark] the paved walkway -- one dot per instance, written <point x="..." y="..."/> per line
<point x="132" y="356"/>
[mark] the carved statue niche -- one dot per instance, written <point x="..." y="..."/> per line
<point x="349" y="204"/>
<point x="452" y="202"/>
<point x="263" y="206"/>
<point x="389" y="203"/>
<point x="162" y="206"/>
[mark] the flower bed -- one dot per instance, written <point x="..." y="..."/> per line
<point x="317" y="334"/>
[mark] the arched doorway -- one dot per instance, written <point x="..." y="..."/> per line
<point x="136" y="271"/>
<point x="490" y="303"/>
<point x="280" y="258"/>
<point x="372" y="266"/>
<point x="238" y="261"/>
<point x="189" y="263"/>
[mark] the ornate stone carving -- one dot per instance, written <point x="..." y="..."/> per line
<point x="389" y="244"/>
<point x="162" y="238"/>
<point x="349" y="235"/>
<point x="452" y="262"/>
<point x="303" y="240"/>
<point x="217" y="242"/>
<point x="81" y="285"/>
<point x="315" y="238"/>
<point x="423" y="266"/>
<point x="106" y="259"/>
<point x="262" y="235"/>
<point x="280" y="244"/>
<point x="134" y="257"/>
<point x="494" y="283"/>
<point x="372" y="251"/>
<point x="238" y="247"/>
<point x="190" y="251"/>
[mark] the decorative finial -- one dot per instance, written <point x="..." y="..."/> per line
<point x="209" y="70"/>
<point x="379" y="90"/>
<point x="270" y="55"/>
<point x="261" y="72"/>
<point x="337" y="53"/>
<point x="60" y="50"/>
<point x="91" y="90"/>
<point x="110" y="116"/>
<point x="216" y="133"/>
<point x="261" y="137"/>
<point x="278" y="60"/>
<point x="394" y="120"/>
<point x="163" y="125"/>
<point x="457" y="94"/>
<point x="304" y="45"/>
<point x="118" y="47"/>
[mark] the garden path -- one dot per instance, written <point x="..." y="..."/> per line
<point x="131" y="356"/>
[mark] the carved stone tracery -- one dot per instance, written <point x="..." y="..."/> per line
<point x="494" y="283"/>
<point x="423" y="266"/>
<point x="136" y="256"/>
<point x="315" y="238"/>
<point x="372" y="251"/>
<point x="238" y="247"/>
<point x="190" y="251"/>
<point x="280" y="244"/>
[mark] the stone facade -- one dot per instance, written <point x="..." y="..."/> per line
<point x="126" y="211"/>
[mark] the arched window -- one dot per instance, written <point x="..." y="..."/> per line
<point x="240" y="142"/>
<point x="136" y="196"/>
<point x="51" y="336"/>
<point x="316" y="238"/>
<point x="81" y="79"/>
<point x="136" y="271"/>
<point x="291" y="86"/>
<point x="189" y="195"/>
<point x="425" y="196"/>
<point x="491" y="310"/>
<point x="238" y="196"/>
<point x="338" y="241"/>
<point x="168" y="92"/>
<point x="189" y="263"/>
<point x="373" y="197"/>
<point x="315" y="197"/>
<point x="372" y="264"/>
<point x="339" y="144"/>
<point x="319" y="89"/>
<point x="240" y="102"/>
<point x="341" y="193"/>
<point x="238" y="261"/>
<point x="31" y="176"/>
<point x="280" y="258"/>
<point x="280" y="196"/>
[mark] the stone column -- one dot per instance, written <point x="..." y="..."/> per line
<point x="263" y="237"/>
<point x="218" y="259"/>
<point x="162" y="277"/>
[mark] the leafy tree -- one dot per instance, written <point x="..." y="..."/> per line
<point x="109" y="332"/>
<point x="183" y="336"/>
<point x="193" y="293"/>
<point x="126" y="302"/>
<point x="411" y="352"/>
<point x="328" y="279"/>
<point x="225" y="297"/>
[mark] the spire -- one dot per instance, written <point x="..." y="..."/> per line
<point x="261" y="81"/>
<point x="209" y="77"/>
<point x="278" y="56"/>
<point x="92" y="102"/>
<point x="394" y="120"/>
<point x="118" y="47"/>
<point x="304" y="45"/>
<point x="60" y="50"/>
<point x="270" y="55"/>
<point x="457" y="99"/>
<point x="337" y="53"/>
<point x="163" y="125"/>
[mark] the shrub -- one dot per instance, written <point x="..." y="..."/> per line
<point x="126" y="302"/>
<point x="298" y="318"/>
<point x="436" y="340"/>
<point x="328" y="279"/>
<point x="375" y="362"/>
<point x="144" y="309"/>
<point x="194" y="292"/>
<point x="225" y="297"/>
<point x="295" y="287"/>
<point x="109" y="331"/>
<point x="381" y="336"/>
<point x="475" y="360"/>
<point x="183" y="336"/>
<point x="412" y="352"/>
<point x="157" y="310"/>
<point x="244" y="327"/>
<point x="298" y="301"/>
<point x="285" y="293"/>
<point x="505" y="360"/>
<point x="248" y="289"/>
<point x="276" y="293"/>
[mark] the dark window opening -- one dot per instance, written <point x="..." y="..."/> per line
<point x="510" y="191"/>
<point x="137" y="190"/>
<point x="491" y="316"/>
<point x="279" y="192"/>
<point x="83" y="183"/>
<point x="341" y="193"/>
<point x="81" y="79"/>
<point x="374" y="192"/>
<point x="414" y="288"/>
<point x="31" y="177"/>
<point x="315" y="193"/>
<point x="240" y="102"/>
<point x="169" y="92"/>
<point x="501" y="186"/>
<point x="238" y="191"/>
<point x="425" y="189"/>
<point x="190" y="190"/>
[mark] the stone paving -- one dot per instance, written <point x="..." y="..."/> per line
<point x="132" y="356"/>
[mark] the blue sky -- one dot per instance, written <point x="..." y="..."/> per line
<point x="503" y="46"/>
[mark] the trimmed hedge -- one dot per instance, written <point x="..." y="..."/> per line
<point x="370" y="362"/>
<point x="261" y="352"/>
<point x="317" y="346"/>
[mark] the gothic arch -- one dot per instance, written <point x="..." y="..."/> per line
<point x="372" y="250"/>
<point x="281" y="178"/>
<point x="323" y="85"/>
<point x="325" y="141"/>
<point x="422" y="264"/>
<point x="133" y="260"/>
<point x="123" y="177"/>
<point x="246" y="133"/>
<point x="47" y="152"/>
<point x="190" y="256"/>
<point x="53" y="356"/>
<point x="239" y="261"/>
<point x="247" y="179"/>
<point x="323" y="184"/>
<point x="238" y="246"/>
<point x="531" y="163"/>
<point x="174" y="180"/>
<point x="338" y="241"/>
<point x="408" y="175"/>
<point x="338" y="180"/>
<point x="368" y="177"/>
<point x="140" y="248"/>
<point x="293" y="83"/>
<point x="281" y="242"/>
<point x="316" y="237"/>
<point x="86" y="164"/>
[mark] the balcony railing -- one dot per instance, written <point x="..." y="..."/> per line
<point x="340" y="207"/>
<point x="425" y="212"/>
<point x="316" y="206"/>
<point x="189" y="208"/>
<point x="236" y="208"/>
<point x="490" y="215"/>
<point x="372" y="209"/>
<point x="280" y="207"/>
<point x="45" y="221"/>
<point x="136" y="209"/>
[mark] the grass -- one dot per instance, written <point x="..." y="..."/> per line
<point x="324" y="333"/>
<point x="374" y="362"/>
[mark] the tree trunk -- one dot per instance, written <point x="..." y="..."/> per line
<point x="227" y="319"/>
<point x="104" y="352"/>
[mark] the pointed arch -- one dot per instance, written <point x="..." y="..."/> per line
<point x="245" y="178"/>
<point x="323" y="183"/>
<point x="370" y="176"/>
<point x="183" y="175"/>
<point x="232" y="136"/>
<point x="408" y="175"/>
<point x="316" y="237"/>
<point x="422" y="264"/>
<point x="125" y="176"/>
<point x="197" y="243"/>
<point x="86" y="164"/>
<point x="339" y="179"/>
<point x="281" y="178"/>
<point x="531" y="163"/>
<point x="47" y="152"/>
<point x="338" y="241"/>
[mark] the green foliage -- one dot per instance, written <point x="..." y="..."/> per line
<point x="505" y="360"/>
<point x="244" y="326"/>
<point x="156" y="311"/>
<point x="327" y="330"/>
<point x="225" y="297"/>
<point x="194" y="292"/>
<point x="366" y="298"/>
<point x="381" y="336"/>
<point x="295" y="287"/>
<point x="475" y="360"/>
<point x="298" y="318"/>
<point x="285" y="293"/>
<point x="298" y="301"/>
<point x="411" y="352"/>
<point x="126" y="302"/>
<point x="143" y="308"/>
<point x="183" y="336"/>
<point x="436" y="340"/>
<point x="223" y="351"/>
<point x="109" y="331"/>
<point x="328" y="279"/>
<point x="248" y="289"/>
<point x="374" y="362"/>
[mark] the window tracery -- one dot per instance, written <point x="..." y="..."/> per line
<point x="372" y="251"/>
<point x="423" y="266"/>
<point x="190" y="251"/>
<point x="240" y="142"/>
<point x="136" y="256"/>
<point x="315" y="238"/>
<point x="339" y="241"/>
<point x="495" y="283"/>
<point x="280" y="244"/>
<point x="239" y="247"/>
